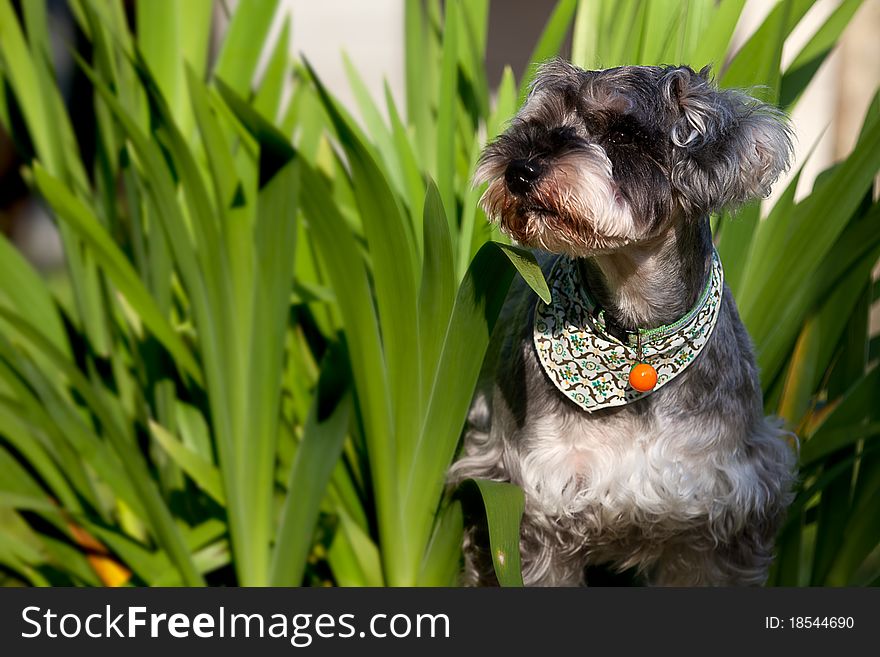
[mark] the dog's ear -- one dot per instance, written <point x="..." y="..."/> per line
<point x="554" y="74"/>
<point x="730" y="147"/>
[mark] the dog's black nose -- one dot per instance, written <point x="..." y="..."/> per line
<point x="521" y="175"/>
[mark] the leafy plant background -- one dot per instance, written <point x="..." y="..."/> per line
<point x="257" y="366"/>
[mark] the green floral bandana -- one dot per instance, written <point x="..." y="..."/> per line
<point x="591" y="367"/>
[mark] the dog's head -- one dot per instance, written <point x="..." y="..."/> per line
<point x="596" y="160"/>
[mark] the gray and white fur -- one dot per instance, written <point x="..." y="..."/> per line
<point x="620" y="169"/>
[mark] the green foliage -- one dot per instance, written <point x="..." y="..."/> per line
<point x="278" y="313"/>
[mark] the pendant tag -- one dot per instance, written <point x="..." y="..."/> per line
<point x="643" y="377"/>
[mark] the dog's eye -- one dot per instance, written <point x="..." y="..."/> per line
<point x="623" y="133"/>
<point x="620" y="137"/>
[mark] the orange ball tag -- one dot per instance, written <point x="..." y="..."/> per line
<point x="643" y="377"/>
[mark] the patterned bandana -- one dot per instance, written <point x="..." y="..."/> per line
<point x="591" y="367"/>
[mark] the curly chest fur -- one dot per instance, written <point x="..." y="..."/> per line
<point x="625" y="468"/>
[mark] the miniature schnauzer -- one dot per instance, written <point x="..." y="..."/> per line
<point x="629" y="408"/>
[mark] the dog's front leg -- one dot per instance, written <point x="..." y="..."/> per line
<point x="550" y="555"/>
<point x="742" y="562"/>
<point x="544" y="560"/>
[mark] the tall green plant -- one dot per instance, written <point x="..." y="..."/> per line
<point x="192" y="432"/>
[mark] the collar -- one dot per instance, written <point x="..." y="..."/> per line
<point x="591" y="367"/>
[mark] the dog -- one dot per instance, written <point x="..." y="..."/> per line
<point x="629" y="408"/>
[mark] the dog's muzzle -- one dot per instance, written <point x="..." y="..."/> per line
<point x="521" y="175"/>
